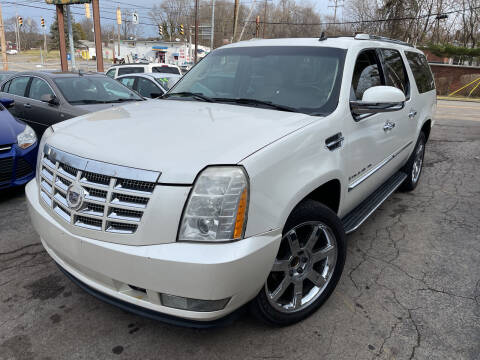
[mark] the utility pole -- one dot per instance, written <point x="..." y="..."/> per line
<point x="213" y="25"/>
<point x="235" y="19"/>
<point x="61" y="37"/>
<point x="70" y="37"/>
<point x="335" y="6"/>
<point x="264" y="19"/>
<point x="44" y="38"/>
<point x="257" y="26"/>
<point x="3" y="42"/>
<point x="196" y="30"/>
<point x="119" y="24"/>
<point x="98" y="35"/>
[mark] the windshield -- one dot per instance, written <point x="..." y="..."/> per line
<point x="94" y="90"/>
<point x="304" y="79"/>
<point x="167" y="82"/>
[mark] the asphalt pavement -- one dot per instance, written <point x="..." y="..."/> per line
<point x="410" y="288"/>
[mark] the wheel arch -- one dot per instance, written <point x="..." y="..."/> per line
<point x="426" y="128"/>
<point x="328" y="193"/>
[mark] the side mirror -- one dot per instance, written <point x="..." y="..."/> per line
<point x="7" y="103"/>
<point x="49" y="98"/>
<point x="378" y="99"/>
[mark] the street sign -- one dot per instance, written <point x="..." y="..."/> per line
<point x="69" y="56"/>
<point x="67" y="2"/>
<point x="135" y="18"/>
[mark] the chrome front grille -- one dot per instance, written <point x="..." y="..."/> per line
<point x="115" y="197"/>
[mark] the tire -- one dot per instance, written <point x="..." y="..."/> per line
<point x="302" y="261"/>
<point x="413" y="167"/>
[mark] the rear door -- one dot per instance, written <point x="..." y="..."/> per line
<point x="396" y="75"/>
<point x="40" y="115"/>
<point x="15" y="89"/>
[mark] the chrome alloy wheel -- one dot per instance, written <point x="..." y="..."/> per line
<point x="303" y="268"/>
<point x="418" y="162"/>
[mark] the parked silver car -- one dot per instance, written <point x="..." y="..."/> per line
<point x="151" y="85"/>
<point x="46" y="98"/>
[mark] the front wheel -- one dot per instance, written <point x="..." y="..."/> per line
<point x="307" y="268"/>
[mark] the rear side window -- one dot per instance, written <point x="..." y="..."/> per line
<point x="111" y="73"/>
<point x="128" y="81"/>
<point x="165" y="70"/>
<point x="18" y="85"/>
<point x="394" y="70"/>
<point x="131" y="70"/>
<point x="421" y="71"/>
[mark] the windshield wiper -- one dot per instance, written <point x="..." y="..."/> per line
<point x="257" y="102"/>
<point x="189" y="94"/>
<point x="124" y="100"/>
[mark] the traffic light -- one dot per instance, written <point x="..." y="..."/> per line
<point x="160" y="30"/>
<point x="42" y="22"/>
<point x="181" y="30"/>
<point x="20" y="21"/>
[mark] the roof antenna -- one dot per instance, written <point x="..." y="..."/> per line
<point x="323" y="36"/>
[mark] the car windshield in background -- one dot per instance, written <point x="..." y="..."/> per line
<point x="94" y="90"/>
<point x="293" y="78"/>
<point x="165" y="70"/>
<point x="167" y="82"/>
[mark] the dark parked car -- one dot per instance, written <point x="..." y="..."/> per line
<point x="45" y="98"/>
<point x="18" y="149"/>
<point x="6" y="74"/>
<point x="149" y="85"/>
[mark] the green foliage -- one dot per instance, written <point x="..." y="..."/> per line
<point x="448" y="50"/>
<point x="54" y="42"/>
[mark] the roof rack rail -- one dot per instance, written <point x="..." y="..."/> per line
<point x="381" y="38"/>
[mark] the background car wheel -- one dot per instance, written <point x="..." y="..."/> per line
<point x="307" y="268"/>
<point x="414" y="165"/>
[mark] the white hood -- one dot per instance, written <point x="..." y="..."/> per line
<point x="177" y="138"/>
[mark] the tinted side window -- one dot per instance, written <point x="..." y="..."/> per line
<point x="394" y="69"/>
<point x="365" y="75"/>
<point x="421" y="71"/>
<point x="38" y="88"/>
<point x="128" y="81"/>
<point x="6" y="86"/>
<point x="130" y="70"/>
<point x="18" y="85"/>
<point x="165" y="70"/>
<point x="146" y="88"/>
<point x="111" y="73"/>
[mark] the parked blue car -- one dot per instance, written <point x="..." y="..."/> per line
<point x="18" y="149"/>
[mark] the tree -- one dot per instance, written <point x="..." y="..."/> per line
<point x="55" y="39"/>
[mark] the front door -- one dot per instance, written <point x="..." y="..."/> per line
<point x="39" y="114"/>
<point x="369" y="139"/>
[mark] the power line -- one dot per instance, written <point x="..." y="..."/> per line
<point x="367" y="21"/>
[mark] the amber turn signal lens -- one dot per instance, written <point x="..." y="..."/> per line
<point x="240" y="221"/>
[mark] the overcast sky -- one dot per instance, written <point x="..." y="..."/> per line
<point x="107" y="10"/>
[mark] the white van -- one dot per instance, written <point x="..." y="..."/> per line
<point x="124" y="69"/>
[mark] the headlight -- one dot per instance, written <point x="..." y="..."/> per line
<point x="45" y="136"/>
<point x="216" y="209"/>
<point x="26" y="138"/>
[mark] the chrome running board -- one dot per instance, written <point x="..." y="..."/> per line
<point x="357" y="216"/>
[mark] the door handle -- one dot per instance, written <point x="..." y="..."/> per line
<point x="28" y="106"/>
<point x="334" y="142"/>
<point x="412" y="114"/>
<point x="388" y="126"/>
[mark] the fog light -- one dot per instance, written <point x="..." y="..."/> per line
<point x="183" y="303"/>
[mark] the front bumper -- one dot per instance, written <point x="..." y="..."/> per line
<point x="17" y="166"/>
<point x="235" y="270"/>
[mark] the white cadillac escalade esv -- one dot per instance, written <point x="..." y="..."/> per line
<point x="240" y="184"/>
